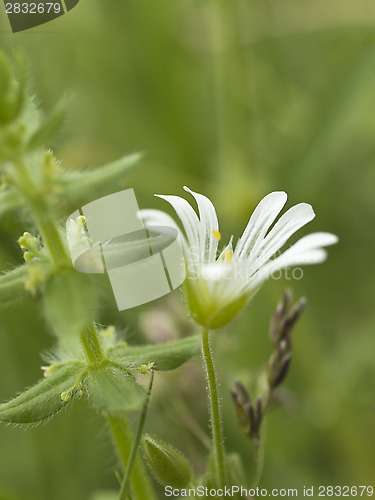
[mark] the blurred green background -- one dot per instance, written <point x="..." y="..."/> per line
<point x="234" y="99"/>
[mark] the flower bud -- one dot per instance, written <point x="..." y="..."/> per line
<point x="28" y="256"/>
<point x="166" y="464"/>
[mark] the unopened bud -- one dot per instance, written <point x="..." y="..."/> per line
<point x="166" y="464"/>
<point x="24" y="240"/>
<point x="146" y="369"/>
<point x="28" y="256"/>
<point x="249" y="417"/>
<point x="285" y="318"/>
<point x="66" y="397"/>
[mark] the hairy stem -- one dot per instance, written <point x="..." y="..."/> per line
<point x="123" y="440"/>
<point x="217" y="436"/>
<point x="91" y="344"/>
<point x="133" y="453"/>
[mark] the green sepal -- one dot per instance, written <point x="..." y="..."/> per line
<point x="205" y="311"/>
<point x="113" y="390"/>
<point x="165" y="356"/>
<point x="166" y="463"/>
<point x="48" y="127"/>
<point x="44" y="399"/>
<point x="97" y="181"/>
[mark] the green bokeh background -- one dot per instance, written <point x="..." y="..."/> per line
<point x="234" y="99"/>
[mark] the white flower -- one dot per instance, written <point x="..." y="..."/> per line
<point x="219" y="284"/>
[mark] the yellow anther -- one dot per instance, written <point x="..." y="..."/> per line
<point x="216" y="234"/>
<point x="228" y="255"/>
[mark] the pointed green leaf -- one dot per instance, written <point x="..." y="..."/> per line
<point x="98" y="180"/>
<point x="165" y="356"/>
<point x="12" y="92"/>
<point x="114" y="390"/>
<point x="48" y="127"/>
<point x="43" y="399"/>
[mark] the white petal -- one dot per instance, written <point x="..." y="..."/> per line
<point x="188" y="218"/>
<point x="313" y="241"/>
<point x="152" y="217"/>
<point x="263" y="216"/>
<point x="308" y="250"/>
<point x="208" y="224"/>
<point x="295" y="218"/>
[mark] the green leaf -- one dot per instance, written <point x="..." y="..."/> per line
<point x="114" y="390"/>
<point x="12" y="285"/>
<point x="44" y="399"/>
<point x="166" y="356"/>
<point x="70" y="303"/>
<point x="49" y="126"/>
<point x="12" y="92"/>
<point x="98" y="180"/>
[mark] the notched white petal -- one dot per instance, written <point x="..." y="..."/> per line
<point x="187" y="216"/>
<point x="208" y="224"/>
<point x="288" y="224"/>
<point x="261" y="220"/>
<point x="306" y="251"/>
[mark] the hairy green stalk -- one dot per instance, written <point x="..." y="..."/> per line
<point x="213" y="394"/>
<point x="91" y="345"/>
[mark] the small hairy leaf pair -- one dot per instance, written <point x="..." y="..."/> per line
<point x="110" y="386"/>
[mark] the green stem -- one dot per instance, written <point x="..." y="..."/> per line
<point x="51" y="236"/>
<point x="123" y="440"/>
<point x="42" y="214"/>
<point x="91" y="345"/>
<point x="217" y="436"/>
<point x="133" y="453"/>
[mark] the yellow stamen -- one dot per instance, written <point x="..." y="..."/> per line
<point x="216" y="234"/>
<point x="228" y="255"/>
